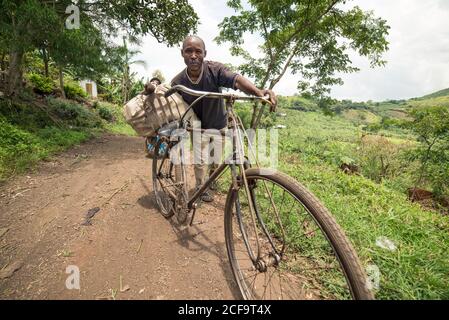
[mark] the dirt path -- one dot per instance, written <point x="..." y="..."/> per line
<point x="41" y="232"/>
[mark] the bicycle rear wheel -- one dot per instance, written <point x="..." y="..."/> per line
<point x="163" y="176"/>
<point x="298" y="250"/>
<point x="170" y="181"/>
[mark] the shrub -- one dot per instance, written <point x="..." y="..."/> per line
<point x="13" y="141"/>
<point x="74" y="113"/>
<point x="41" y="84"/>
<point x="105" y="113"/>
<point x="74" y="91"/>
<point x="431" y="125"/>
<point x="379" y="157"/>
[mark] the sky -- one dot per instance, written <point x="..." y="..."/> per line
<point x="417" y="62"/>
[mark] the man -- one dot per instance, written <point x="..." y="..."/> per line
<point x="210" y="76"/>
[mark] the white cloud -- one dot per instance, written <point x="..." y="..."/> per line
<point x="418" y="60"/>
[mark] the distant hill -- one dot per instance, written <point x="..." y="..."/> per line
<point x="441" y="93"/>
<point x="371" y="111"/>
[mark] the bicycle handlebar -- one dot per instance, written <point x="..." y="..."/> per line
<point x="215" y="95"/>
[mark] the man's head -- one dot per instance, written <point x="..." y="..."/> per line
<point x="155" y="81"/>
<point x="193" y="51"/>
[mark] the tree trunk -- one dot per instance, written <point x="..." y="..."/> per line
<point x="256" y="104"/>
<point x="45" y="59"/>
<point x="255" y="121"/>
<point x="254" y="115"/>
<point x="2" y="68"/>
<point x="15" y="73"/>
<point x="61" y="82"/>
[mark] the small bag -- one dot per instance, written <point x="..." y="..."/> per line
<point x="148" y="113"/>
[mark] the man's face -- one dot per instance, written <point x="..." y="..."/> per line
<point x="155" y="82"/>
<point x="193" y="53"/>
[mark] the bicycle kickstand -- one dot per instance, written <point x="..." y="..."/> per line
<point x="194" y="206"/>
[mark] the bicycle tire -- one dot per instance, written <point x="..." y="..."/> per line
<point x="162" y="166"/>
<point x="345" y="254"/>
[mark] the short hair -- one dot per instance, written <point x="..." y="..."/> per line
<point x="156" y="78"/>
<point x="193" y="37"/>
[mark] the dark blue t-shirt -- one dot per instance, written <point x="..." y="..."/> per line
<point x="215" y="76"/>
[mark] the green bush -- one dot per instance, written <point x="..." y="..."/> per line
<point x="105" y="113"/>
<point x="245" y="112"/>
<point x="74" y="113"/>
<point x="13" y="141"/>
<point x="379" y="158"/>
<point x="23" y="115"/>
<point x="41" y="84"/>
<point x="74" y="91"/>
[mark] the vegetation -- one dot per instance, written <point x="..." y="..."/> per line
<point x="385" y="148"/>
<point x="33" y="132"/>
<point x="372" y="204"/>
<point x="76" y="42"/>
<point x="312" y="39"/>
<point x="46" y="44"/>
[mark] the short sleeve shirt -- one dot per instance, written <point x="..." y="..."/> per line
<point x="214" y="76"/>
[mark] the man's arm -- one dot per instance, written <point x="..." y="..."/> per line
<point x="243" y="84"/>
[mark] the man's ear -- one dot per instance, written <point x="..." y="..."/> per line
<point x="205" y="53"/>
<point x="182" y="53"/>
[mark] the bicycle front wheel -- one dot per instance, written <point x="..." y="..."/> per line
<point x="291" y="248"/>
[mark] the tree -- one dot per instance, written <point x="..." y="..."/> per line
<point x="29" y="24"/>
<point x="127" y="79"/>
<point x="22" y="25"/>
<point x="82" y="51"/>
<point x="311" y="38"/>
<point x="431" y="125"/>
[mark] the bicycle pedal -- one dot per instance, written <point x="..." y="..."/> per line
<point x="199" y="223"/>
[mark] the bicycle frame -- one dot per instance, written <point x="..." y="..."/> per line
<point x="238" y="181"/>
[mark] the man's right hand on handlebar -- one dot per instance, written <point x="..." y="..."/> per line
<point x="243" y="84"/>
<point x="272" y="98"/>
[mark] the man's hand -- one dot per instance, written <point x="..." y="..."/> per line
<point x="149" y="88"/>
<point x="241" y="83"/>
<point x="272" y="98"/>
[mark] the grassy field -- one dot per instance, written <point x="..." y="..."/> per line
<point x="311" y="149"/>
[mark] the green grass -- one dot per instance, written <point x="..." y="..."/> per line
<point x="434" y="101"/>
<point x="28" y="134"/>
<point x="441" y="93"/>
<point x="311" y="149"/>
<point x="119" y="125"/>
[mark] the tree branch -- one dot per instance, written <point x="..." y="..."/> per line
<point x="287" y="64"/>
<point x="305" y="25"/>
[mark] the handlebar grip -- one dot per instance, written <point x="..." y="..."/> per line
<point x="170" y="92"/>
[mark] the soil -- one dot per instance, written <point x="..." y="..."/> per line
<point x="50" y="225"/>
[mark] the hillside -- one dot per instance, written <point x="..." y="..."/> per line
<point x="441" y="93"/>
<point x="371" y="112"/>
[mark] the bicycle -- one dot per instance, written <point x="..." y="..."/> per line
<point x="301" y="253"/>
